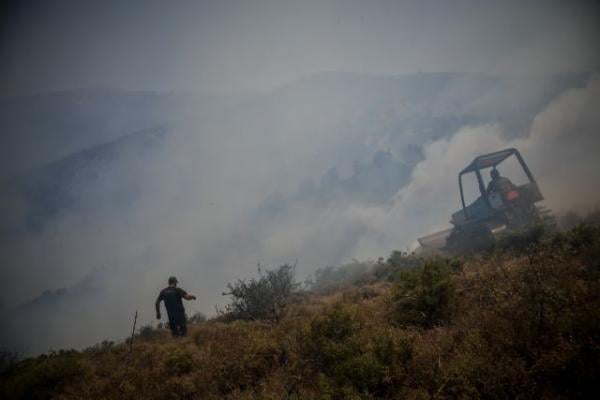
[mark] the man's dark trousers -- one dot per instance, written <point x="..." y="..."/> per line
<point x="178" y="324"/>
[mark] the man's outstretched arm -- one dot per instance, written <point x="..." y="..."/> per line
<point x="189" y="297"/>
<point x="185" y="294"/>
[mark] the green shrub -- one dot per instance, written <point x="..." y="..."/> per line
<point x="538" y="314"/>
<point x="45" y="376"/>
<point x="397" y="262"/>
<point x="178" y="362"/>
<point x="332" y="278"/>
<point x="148" y="332"/>
<point x="522" y="241"/>
<point x="422" y="296"/>
<point x="347" y="359"/>
<point x="265" y="298"/>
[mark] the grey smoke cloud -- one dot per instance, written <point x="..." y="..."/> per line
<point x="564" y="145"/>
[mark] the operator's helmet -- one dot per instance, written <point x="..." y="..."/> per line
<point x="172" y="280"/>
<point x="494" y="173"/>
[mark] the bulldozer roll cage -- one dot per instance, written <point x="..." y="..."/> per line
<point x="490" y="160"/>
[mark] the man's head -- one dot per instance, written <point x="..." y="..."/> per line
<point x="172" y="281"/>
<point x="495" y="174"/>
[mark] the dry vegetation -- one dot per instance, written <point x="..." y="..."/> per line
<point x="522" y="321"/>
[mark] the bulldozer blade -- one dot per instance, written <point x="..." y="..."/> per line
<point x="435" y="241"/>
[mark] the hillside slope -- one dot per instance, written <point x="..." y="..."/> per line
<point x="42" y="128"/>
<point x="518" y="322"/>
<point x="59" y="186"/>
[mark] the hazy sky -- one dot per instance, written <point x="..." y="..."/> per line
<point x="235" y="45"/>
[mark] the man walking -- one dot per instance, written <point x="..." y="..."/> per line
<point x="172" y="296"/>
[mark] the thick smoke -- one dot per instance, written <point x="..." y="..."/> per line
<point x="561" y="150"/>
<point x="221" y="193"/>
<point x="564" y="146"/>
<point x="186" y="205"/>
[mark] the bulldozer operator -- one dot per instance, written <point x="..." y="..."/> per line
<point x="499" y="184"/>
<point x="172" y="296"/>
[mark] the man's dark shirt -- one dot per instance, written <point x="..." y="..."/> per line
<point x="500" y="185"/>
<point x="172" y="297"/>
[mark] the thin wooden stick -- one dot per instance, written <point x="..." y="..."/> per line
<point x="133" y="331"/>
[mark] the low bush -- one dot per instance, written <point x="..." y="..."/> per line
<point x="522" y="241"/>
<point x="538" y="314"/>
<point x="396" y="263"/>
<point x="178" y="362"/>
<point x="46" y="376"/>
<point x="265" y="298"/>
<point x="148" y="332"/>
<point x="422" y="296"/>
<point x="332" y="278"/>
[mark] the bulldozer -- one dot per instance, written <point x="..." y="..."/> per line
<point x="501" y="207"/>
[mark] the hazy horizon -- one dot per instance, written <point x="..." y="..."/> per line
<point x="239" y="46"/>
